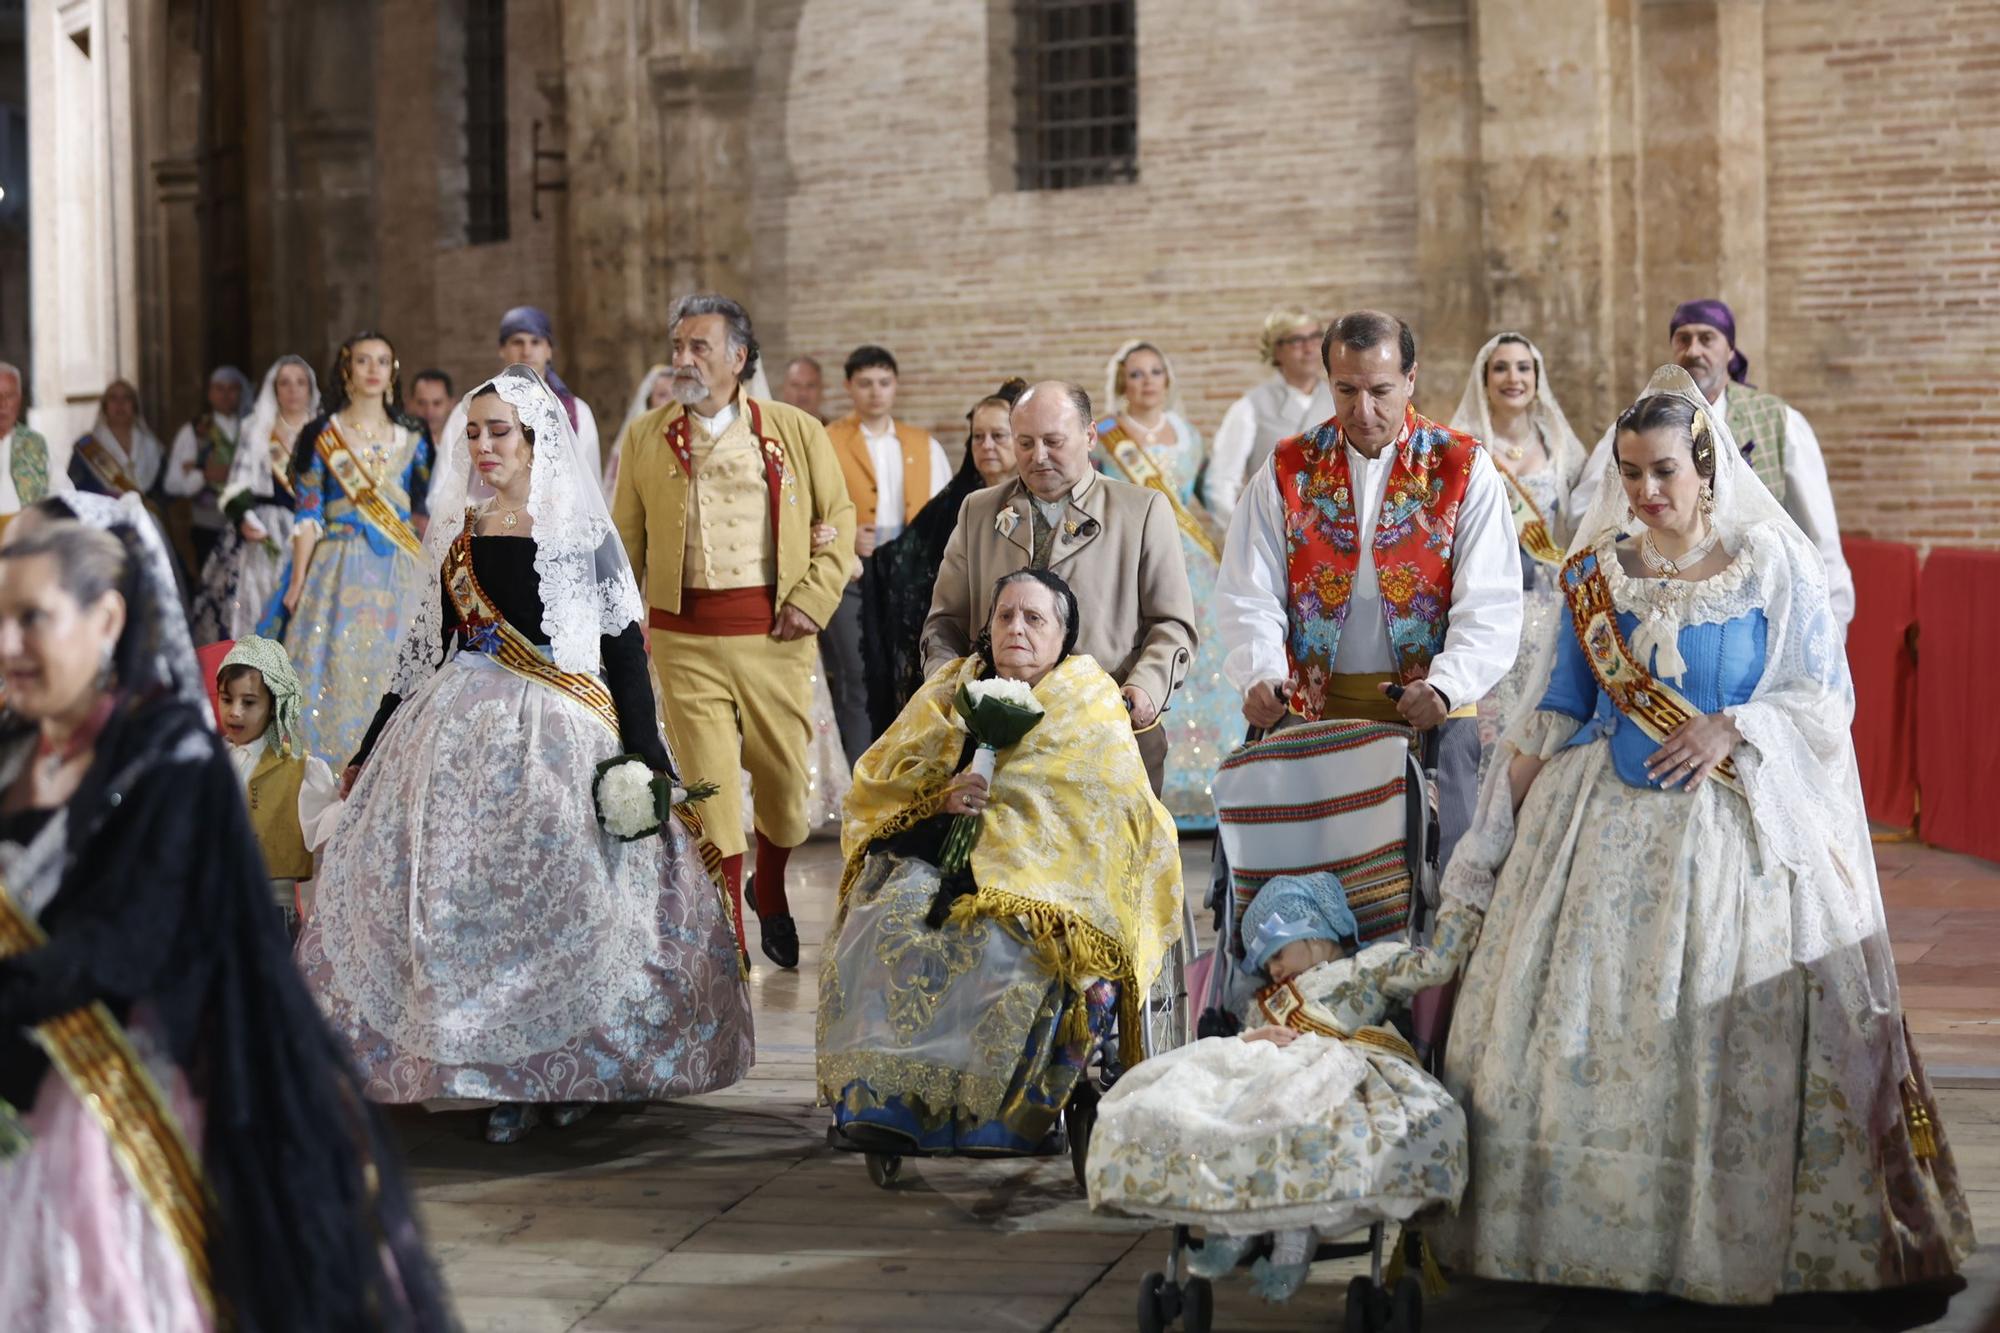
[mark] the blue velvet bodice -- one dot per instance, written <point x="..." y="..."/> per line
<point x="1724" y="663"/>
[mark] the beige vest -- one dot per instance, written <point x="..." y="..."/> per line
<point x="273" y="793"/>
<point x="729" y="539"/>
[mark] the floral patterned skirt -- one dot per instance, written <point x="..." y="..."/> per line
<point x="1243" y="1137"/>
<point x="956" y="1038"/>
<point x="476" y="935"/>
<point x="1660" y="1098"/>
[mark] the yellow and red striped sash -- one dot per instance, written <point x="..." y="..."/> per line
<point x="91" y="1052"/>
<point x="1143" y="471"/>
<point x="360" y="485"/>
<point x="487" y="631"/>
<point x="106" y="465"/>
<point x="1530" y="524"/>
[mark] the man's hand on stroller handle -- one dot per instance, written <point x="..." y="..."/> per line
<point x="1419" y="703"/>
<point x="1264" y="704"/>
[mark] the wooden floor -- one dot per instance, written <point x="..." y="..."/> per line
<point x="728" y="1211"/>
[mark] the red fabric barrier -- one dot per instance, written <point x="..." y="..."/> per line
<point x="1884" y="667"/>
<point x="210" y="656"/>
<point x="1958" y="711"/>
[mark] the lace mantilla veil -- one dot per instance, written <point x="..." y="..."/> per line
<point x="587" y="588"/>
<point x="1796" y="761"/>
<point x="156" y="653"/>
<point x="1475" y="416"/>
<point x="251" y="468"/>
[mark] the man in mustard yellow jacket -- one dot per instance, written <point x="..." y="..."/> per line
<point x="717" y="499"/>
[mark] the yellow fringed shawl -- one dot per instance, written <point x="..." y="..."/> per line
<point x="1073" y="843"/>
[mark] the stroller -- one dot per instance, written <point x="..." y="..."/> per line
<point x="1358" y="799"/>
<point x="1168" y="1020"/>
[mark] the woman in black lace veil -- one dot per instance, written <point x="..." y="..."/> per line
<point x="896" y="590"/>
<point x="136" y="901"/>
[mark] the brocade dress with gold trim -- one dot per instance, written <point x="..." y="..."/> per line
<point x="342" y="638"/>
<point x="1650" y="1059"/>
<point x="476" y="935"/>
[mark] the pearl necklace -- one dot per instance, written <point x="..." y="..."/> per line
<point x="1148" y="434"/>
<point x="1674" y="567"/>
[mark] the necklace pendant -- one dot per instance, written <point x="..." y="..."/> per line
<point x="509" y="519"/>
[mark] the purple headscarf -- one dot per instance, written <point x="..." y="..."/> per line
<point x="535" y="320"/>
<point x="1716" y="314"/>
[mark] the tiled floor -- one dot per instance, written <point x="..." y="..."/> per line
<point x="729" y="1212"/>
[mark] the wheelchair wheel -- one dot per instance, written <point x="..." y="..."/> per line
<point x="1365" y="1312"/>
<point x="883" y="1168"/>
<point x="1406" y="1306"/>
<point x="1079" y="1118"/>
<point x="1159" y="1303"/>
<point x="1197" y="1305"/>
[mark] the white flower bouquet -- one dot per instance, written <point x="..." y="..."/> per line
<point x="997" y="713"/>
<point x="633" y="802"/>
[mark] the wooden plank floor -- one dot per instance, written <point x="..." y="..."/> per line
<point x="727" y="1212"/>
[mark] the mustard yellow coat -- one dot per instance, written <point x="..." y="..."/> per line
<point x="650" y="508"/>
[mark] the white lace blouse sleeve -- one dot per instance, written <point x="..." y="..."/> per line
<point x="1228" y="456"/>
<point x="319" y="804"/>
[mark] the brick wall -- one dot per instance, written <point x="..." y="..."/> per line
<point x="1276" y="165"/>
<point x="1884" y="215"/>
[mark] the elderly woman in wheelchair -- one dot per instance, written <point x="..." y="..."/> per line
<point x="963" y="994"/>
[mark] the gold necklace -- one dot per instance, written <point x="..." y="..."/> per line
<point x="508" y="517"/>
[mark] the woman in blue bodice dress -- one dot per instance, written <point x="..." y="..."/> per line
<point x="361" y="472"/>
<point x="1679" y="1041"/>
<point x="1149" y="443"/>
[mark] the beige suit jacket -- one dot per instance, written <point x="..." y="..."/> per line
<point x="650" y="509"/>
<point x="1119" y="550"/>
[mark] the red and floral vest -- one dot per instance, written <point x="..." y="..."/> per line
<point x="1413" y="546"/>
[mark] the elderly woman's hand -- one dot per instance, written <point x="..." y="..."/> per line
<point x="965" y="794"/>
<point x="1693" y="751"/>
<point x="823" y="536"/>
<point x="1277" y="1036"/>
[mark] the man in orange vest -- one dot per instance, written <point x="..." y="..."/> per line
<point x="892" y="468"/>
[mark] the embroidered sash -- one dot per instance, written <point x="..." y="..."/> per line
<point x="485" y="630"/>
<point x="1529" y="523"/>
<point x="359" y="483"/>
<point x="279" y="456"/>
<point x="91" y="1052"/>
<point x="1283" y="1005"/>
<point x="105" y="464"/>
<point x="1655" y="707"/>
<point x="1141" y="470"/>
<point x="711" y="860"/>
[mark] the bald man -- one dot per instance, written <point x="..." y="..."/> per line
<point x="1117" y="546"/>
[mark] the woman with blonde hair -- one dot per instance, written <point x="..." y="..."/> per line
<point x="1147" y="442"/>
<point x="1293" y="398"/>
<point x="1509" y="407"/>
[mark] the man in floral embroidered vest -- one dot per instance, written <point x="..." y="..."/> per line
<point x="1776" y="440"/>
<point x="718" y="495"/>
<point x="1375" y="550"/>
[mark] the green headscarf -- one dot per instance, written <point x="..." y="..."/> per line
<point x="268" y="657"/>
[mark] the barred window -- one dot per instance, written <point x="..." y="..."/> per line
<point x="1077" y="93"/>
<point x="485" y="121"/>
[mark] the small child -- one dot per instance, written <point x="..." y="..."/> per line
<point x="1317" y="1119"/>
<point x="291" y="794"/>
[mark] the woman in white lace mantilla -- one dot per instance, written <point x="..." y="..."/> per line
<point x="1509" y="407"/>
<point x="477" y="935"/>
<point x="1679" y="1042"/>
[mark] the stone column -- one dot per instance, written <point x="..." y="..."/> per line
<point x="1451" y="319"/>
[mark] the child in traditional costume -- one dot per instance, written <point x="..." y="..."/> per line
<point x="291" y="794"/>
<point x="1318" y="1118"/>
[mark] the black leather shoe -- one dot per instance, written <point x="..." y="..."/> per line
<point x="779" y="939"/>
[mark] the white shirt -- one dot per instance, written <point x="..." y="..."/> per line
<point x="586" y="429"/>
<point x="1808" y="499"/>
<point x="319" y="795"/>
<point x="1250" y="430"/>
<point x="179" y="478"/>
<point x="1484" y="631"/>
<point x="885" y="452"/>
<point x="715" y="425"/>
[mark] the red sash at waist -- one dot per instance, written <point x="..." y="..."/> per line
<point x="720" y="611"/>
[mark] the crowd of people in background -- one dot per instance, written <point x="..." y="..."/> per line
<point x="438" y="627"/>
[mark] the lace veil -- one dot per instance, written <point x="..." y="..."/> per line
<point x="251" y="469"/>
<point x="587" y="588"/>
<point x="1114" y="388"/>
<point x="1475" y="417"/>
<point x="156" y="651"/>
<point x="1796" y="762"/>
<point x="642" y="399"/>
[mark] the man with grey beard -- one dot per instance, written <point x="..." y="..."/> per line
<point x="718" y="496"/>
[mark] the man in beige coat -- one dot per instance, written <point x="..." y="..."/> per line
<point x="718" y="495"/>
<point x="1114" y="543"/>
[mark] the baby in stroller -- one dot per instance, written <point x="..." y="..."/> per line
<point x="1317" y="1119"/>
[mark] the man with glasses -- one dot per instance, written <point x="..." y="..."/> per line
<point x="1279" y="407"/>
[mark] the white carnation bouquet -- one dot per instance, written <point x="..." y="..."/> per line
<point x="633" y="802"/>
<point x="998" y="713"/>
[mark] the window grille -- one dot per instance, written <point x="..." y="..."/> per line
<point x="1077" y="117"/>
<point x="485" y="121"/>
